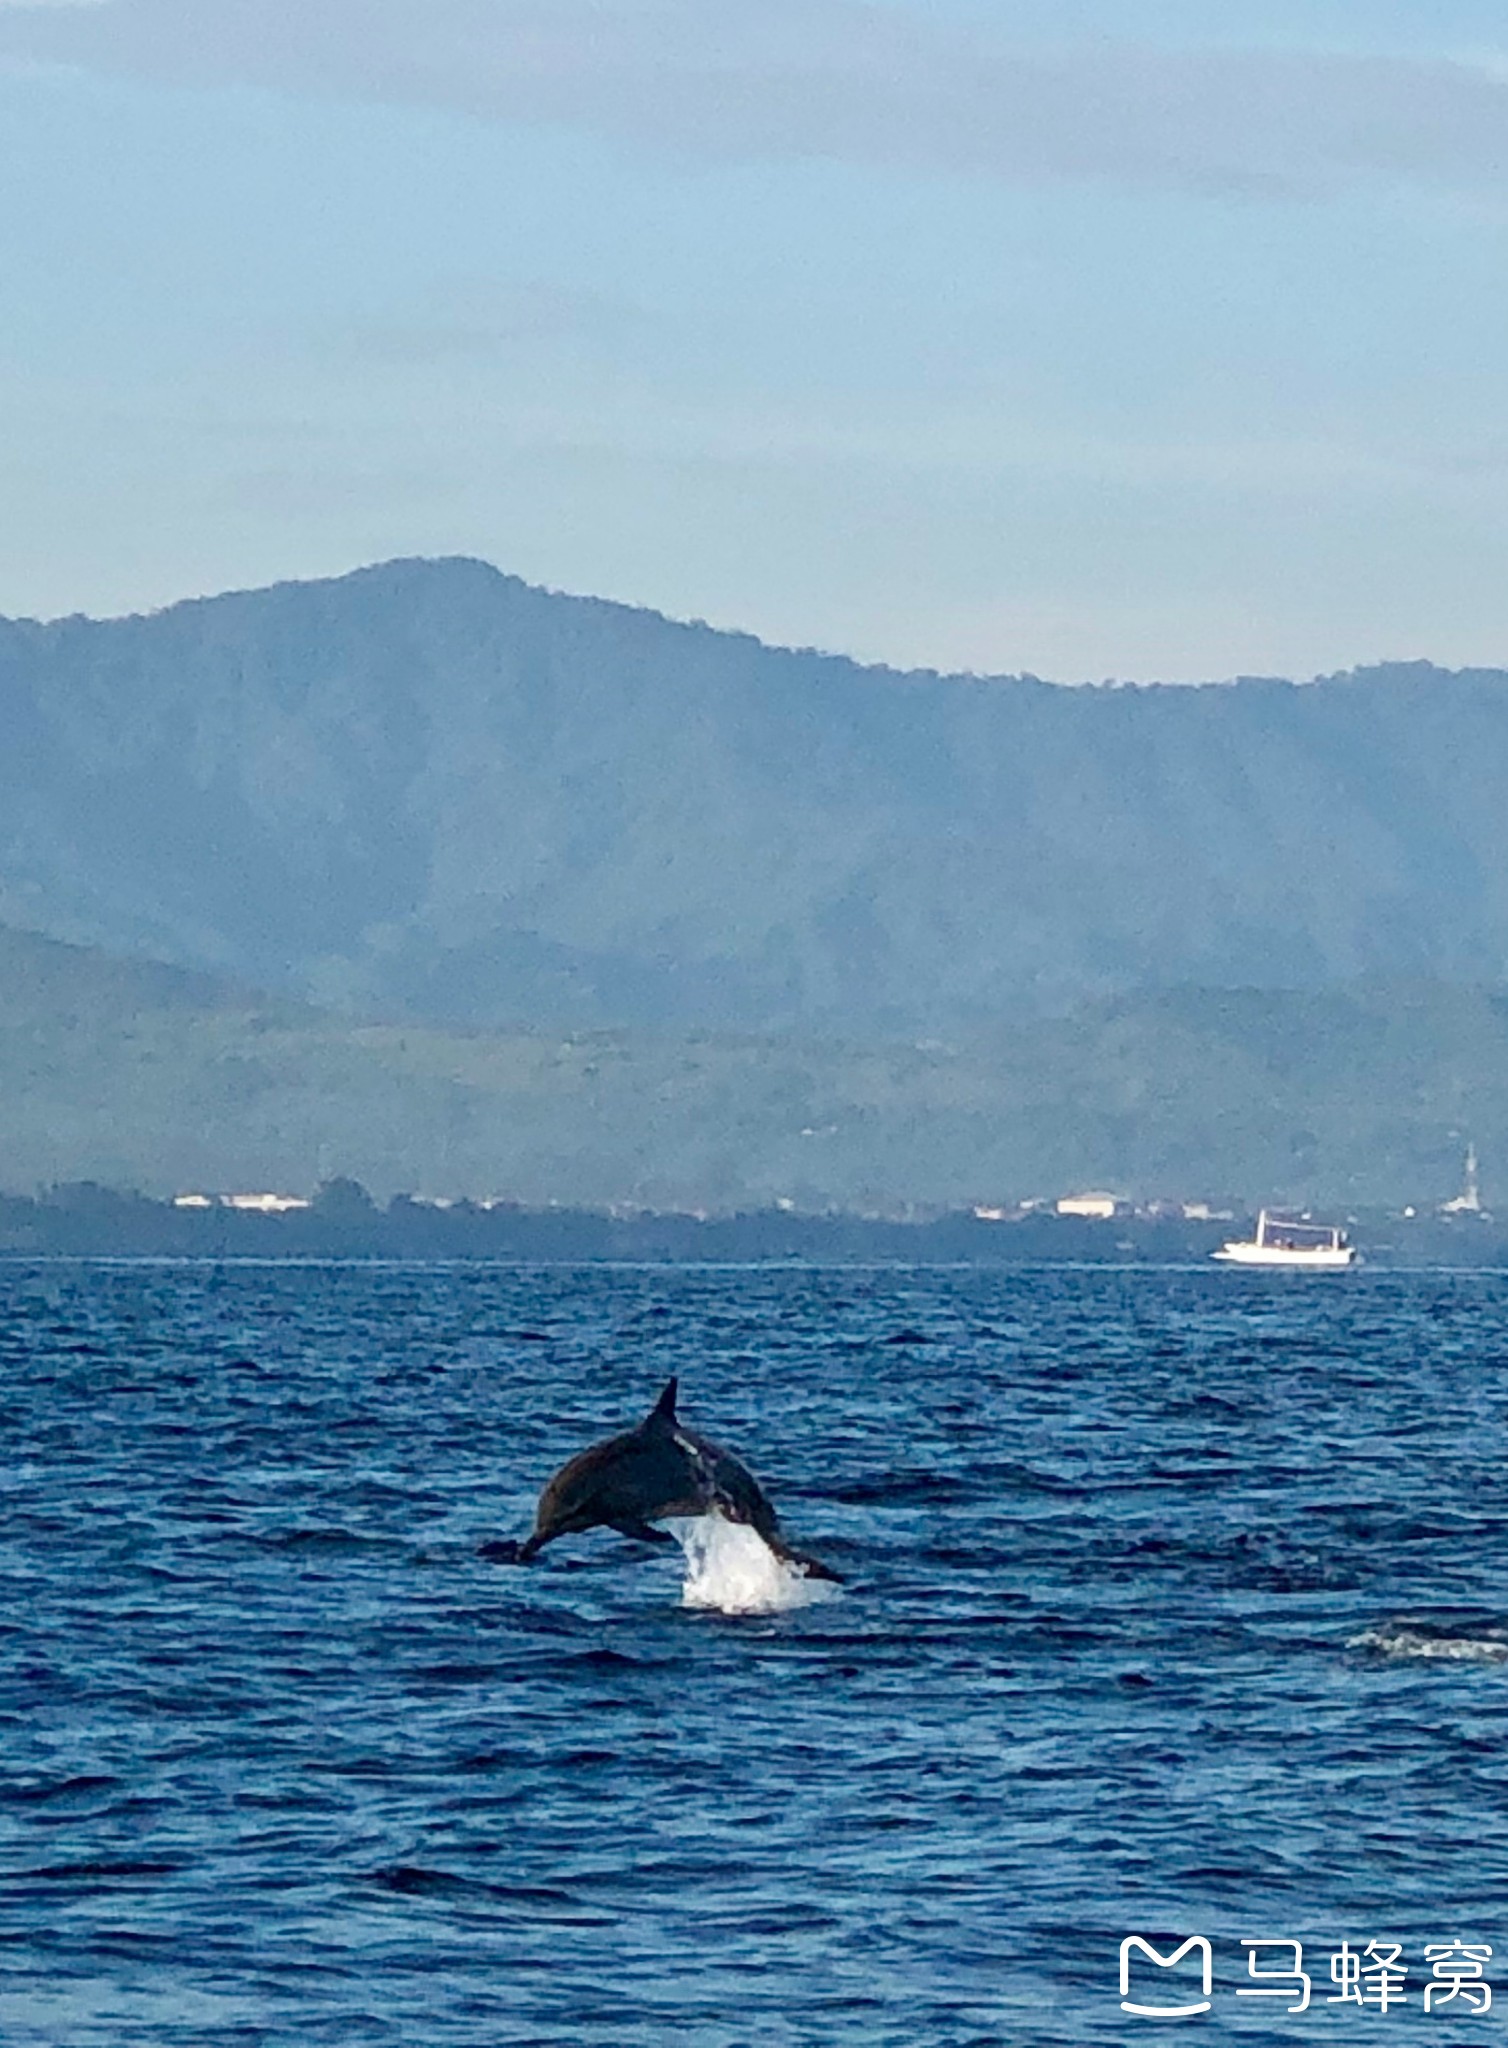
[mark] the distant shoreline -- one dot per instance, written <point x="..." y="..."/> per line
<point x="342" y="1222"/>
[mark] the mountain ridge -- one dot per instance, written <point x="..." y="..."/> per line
<point x="430" y="791"/>
<point x="628" y="609"/>
<point x="625" y="609"/>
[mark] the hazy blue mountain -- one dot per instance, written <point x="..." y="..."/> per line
<point x="147" y="1077"/>
<point x="429" y="791"/>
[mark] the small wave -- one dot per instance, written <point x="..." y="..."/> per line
<point x="317" y="1540"/>
<point x="418" y="1881"/>
<point x="1431" y="1646"/>
<point x="732" y="1570"/>
<point x="57" y="1788"/>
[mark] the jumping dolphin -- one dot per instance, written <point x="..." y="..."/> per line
<point x="658" y="1470"/>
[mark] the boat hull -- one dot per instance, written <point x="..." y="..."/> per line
<point x="1315" y="1259"/>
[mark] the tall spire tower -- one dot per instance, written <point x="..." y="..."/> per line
<point x="1469" y="1201"/>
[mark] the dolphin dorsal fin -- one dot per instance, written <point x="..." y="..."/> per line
<point x="664" y="1408"/>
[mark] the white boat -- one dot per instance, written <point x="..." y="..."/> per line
<point x="1315" y="1247"/>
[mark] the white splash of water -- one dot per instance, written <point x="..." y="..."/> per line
<point x="730" y="1568"/>
<point x="1410" y="1642"/>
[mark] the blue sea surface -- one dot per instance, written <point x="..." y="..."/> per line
<point x="282" y="1761"/>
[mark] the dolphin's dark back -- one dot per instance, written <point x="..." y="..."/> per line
<point x="631" y="1477"/>
<point x="726" y="1482"/>
<point x="660" y="1469"/>
<point x="734" y="1488"/>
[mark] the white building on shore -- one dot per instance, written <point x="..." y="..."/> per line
<point x="1101" y="1207"/>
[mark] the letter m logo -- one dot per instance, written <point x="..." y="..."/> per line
<point x="1167" y="1962"/>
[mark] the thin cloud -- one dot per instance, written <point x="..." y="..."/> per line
<point x="504" y="325"/>
<point x="836" y="79"/>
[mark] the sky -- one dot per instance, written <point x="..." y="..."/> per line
<point x="1135" y="338"/>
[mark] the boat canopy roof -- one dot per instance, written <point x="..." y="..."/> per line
<point x="1295" y="1226"/>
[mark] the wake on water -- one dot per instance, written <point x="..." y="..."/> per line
<point x="731" y="1569"/>
<point x="1430" y="1645"/>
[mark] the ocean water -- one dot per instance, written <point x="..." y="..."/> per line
<point x="1176" y="1607"/>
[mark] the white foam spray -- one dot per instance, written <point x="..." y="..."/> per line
<point x="732" y="1570"/>
<point x="1441" y="1649"/>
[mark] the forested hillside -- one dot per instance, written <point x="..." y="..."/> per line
<point x="427" y="791"/>
<point x="151" y="1079"/>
